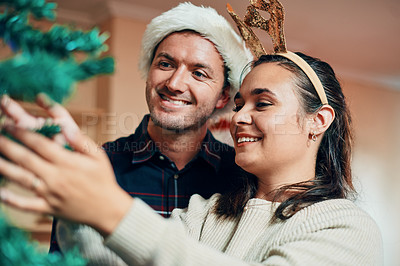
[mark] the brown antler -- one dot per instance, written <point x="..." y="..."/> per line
<point x="273" y="25"/>
<point x="248" y="35"/>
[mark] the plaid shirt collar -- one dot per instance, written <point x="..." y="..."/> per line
<point x="147" y="148"/>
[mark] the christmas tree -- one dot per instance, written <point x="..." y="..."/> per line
<point x="43" y="62"/>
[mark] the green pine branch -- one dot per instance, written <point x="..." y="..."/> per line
<point x="14" y="250"/>
<point x="26" y="75"/>
<point x="59" y="40"/>
<point x="39" y="8"/>
<point x="40" y="53"/>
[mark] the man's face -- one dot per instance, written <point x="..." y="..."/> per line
<point x="185" y="82"/>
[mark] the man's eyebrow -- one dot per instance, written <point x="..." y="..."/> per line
<point x="166" y="55"/>
<point x="259" y="91"/>
<point x="237" y="96"/>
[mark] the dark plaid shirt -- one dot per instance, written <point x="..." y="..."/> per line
<point x="144" y="172"/>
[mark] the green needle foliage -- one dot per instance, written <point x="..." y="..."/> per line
<point x="46" y="61"/>
<point x="43" y="62"/>
<point x="15" y="250"/>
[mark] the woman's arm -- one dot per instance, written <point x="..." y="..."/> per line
<point x="78" y="186"/>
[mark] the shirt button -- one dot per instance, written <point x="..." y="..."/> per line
<point x="176" y="176"/>
<point x="161" y="158"/>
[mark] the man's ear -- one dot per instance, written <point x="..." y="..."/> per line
<point x="223" y="98"/>
<point x="323" y="119"/>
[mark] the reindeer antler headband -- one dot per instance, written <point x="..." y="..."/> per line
<point x="274" y="28"/>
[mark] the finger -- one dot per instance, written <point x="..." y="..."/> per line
<point x="36" y="204"/>
<point x="22" y="156"/>
<point x="58" y="113"/>
<point x="60" y="139"/>
<point x="46" y="148"/>
<point x="20" y="117"/>
<point x="20" y="176"/>
<point x="6" y="121"/>
<point x="84" y="144"/>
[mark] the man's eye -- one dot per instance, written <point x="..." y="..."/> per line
<point x="199" y="74"/>
<point x="164" y="64"/>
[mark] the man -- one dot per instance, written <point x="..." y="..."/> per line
<point x="192" y="61"/>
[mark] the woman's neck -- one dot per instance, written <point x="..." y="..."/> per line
<point x="270" y="181"/>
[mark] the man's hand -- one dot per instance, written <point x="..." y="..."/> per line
<point x="78" y="186"/>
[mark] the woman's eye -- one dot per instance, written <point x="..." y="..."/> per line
<point x="262" y="104"/>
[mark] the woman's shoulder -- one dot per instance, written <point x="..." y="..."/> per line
<point x="197" y="200"/>
<point x="198" y="206"/>
<point x="195" y="215"/>
<point x="338" y="213"/>
<point x="336" y="229"/>
<point x="343" y="208"/>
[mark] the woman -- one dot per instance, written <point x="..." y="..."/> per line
<point x="291" y="210"/>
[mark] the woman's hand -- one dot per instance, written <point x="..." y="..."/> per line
<point x="17" y="116"/>
<point x="78" y="186"/>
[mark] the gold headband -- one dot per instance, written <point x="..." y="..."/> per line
<point x="274" y="28"/>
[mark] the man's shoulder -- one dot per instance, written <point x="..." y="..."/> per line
<point x="130" y="143"/>
<point x="218" y="146"/>
<point x="122" y="144"/>
<point x="225" y="153"/>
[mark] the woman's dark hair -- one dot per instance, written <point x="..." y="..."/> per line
<point x="333" y="177"/>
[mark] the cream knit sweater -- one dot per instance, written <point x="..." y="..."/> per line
<point x="332" y="232"/>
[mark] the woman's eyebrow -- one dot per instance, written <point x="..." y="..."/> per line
<point x="258" y="91"/>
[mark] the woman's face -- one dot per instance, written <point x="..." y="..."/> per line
<point x="268" y="128"/>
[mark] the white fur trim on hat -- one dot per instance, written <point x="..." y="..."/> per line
<point x="208" y="23"/>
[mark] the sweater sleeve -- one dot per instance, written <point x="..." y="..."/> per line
<point x="145" y="238"/>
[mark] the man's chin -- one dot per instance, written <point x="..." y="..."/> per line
<point x="177" y="124"/>
<point x="168" y="121"/>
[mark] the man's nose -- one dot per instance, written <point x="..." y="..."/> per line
<point x="178" y="81"/>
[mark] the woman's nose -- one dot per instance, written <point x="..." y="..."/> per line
<point x="242" y="117"/>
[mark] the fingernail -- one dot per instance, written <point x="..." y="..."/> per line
<point x="45" y="100"/>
